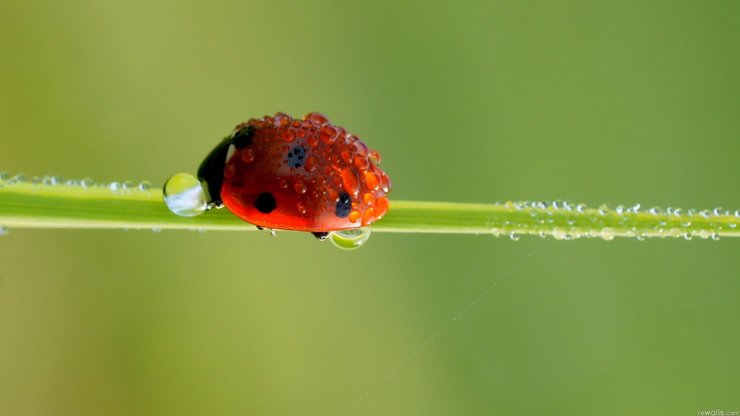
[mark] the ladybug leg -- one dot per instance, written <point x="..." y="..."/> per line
<point x="321" y="236"/>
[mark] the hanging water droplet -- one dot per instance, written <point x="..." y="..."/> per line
<point x="559" y="234"/>
<point x="350" y="239"/>
<point x="184" y="196"/>
<point x="114" y="187"/>
<point x="4" y="231"/>
<point x="86" y="183"/>
<point x="607" y="234"/>
<point x="514" y="236"/>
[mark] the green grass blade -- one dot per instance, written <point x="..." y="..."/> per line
<point x="75" y="204"/>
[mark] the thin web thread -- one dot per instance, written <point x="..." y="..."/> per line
<point x="433" y="337"/>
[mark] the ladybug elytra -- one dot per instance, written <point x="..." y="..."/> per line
<point x="296" y="174"/>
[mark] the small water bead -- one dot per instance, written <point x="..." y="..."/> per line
<point x="300" y="187"/>
<point x="372" y="181"/>
<point x="184" y="195"/>
<point x="20" y="177"/>
<point x="350" y="239"/>
<point x="50" y="180"/>
<point x="350" y="181"/>
<point x="328" y="134"/>
<point x="4" y="231"/>
<point x="248" y="155"/>
<point x="281" y="119"/>
<point x="127" y="186"/>
<point x="355" y="216"/>
<point x="144" y="186"/>
<point x="374" y="157"/>
<point x="369" y="216"/>
<point x="114" y="186"/>
<point x="288" y="135"/>
<point x="514" y="236"/>
<point x="381" y="206"/>
<point x="317" y="118"/>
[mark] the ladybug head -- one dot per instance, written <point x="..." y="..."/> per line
<point x="211" y="172"/>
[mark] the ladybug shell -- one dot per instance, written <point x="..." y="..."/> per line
<point x="303" y="175"/>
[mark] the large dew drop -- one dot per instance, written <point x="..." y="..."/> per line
<point x="184" y="196"/>
<point x="350" y="239"/>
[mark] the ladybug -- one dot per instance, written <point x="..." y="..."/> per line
<point x="296" y="174"/>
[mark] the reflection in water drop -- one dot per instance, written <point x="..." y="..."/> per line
<point x="184" y="196"/>
<point x="350" y="239"/>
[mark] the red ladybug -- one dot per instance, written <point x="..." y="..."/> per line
<point x="303" y="175"/>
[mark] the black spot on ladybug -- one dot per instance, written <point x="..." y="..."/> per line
<point x="343" y="205"/>
<point x="243" y="137"/>
<point x="296" y="156"/>
<point x="265" y="203"/>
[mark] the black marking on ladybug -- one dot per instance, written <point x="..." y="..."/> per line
<point x="321" y="236"/>
<point x="296" y="156"/>
<point x="211" y="171"/>
<point x="265" y="203"/>
<point x="343" y="205"/>
<point x="243" y="137"/>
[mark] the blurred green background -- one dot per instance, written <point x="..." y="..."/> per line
<point x="618" y="102"/>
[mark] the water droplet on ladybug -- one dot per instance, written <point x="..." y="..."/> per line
<point x="328" y="134"/>
<point x="316" y="118"/>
